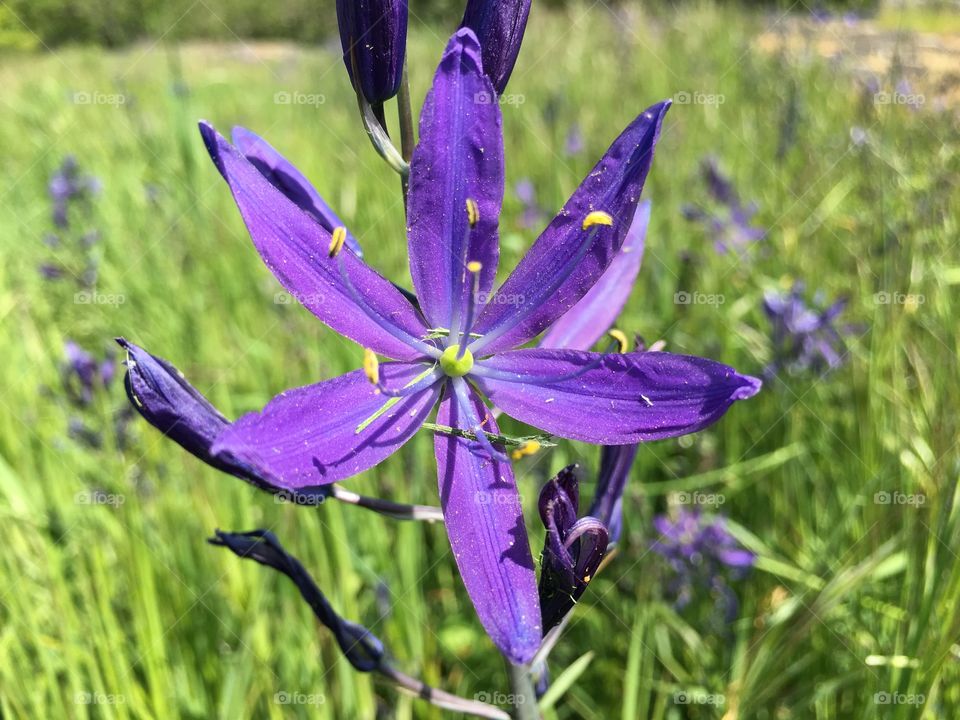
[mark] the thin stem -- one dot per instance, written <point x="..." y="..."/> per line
<point x="380" y="140"/>
<point x="397" y="511"/>
<point x="440" y="698"/>
<point x="405" y="116"/>
<point x="524" y="695"/>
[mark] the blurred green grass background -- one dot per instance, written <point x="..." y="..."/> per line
<point x="123" y="611"/>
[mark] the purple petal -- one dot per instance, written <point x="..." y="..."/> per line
<point x="499" y="25"/>
<point x="460" y="156"/>
<point x="612" y="399"/>
<point x="615" y="464"/>
<point x="589" y="319"/>
<point x="295" y="248"/>
<point x="565" y="263"/>
<point x="165" y="399"/>
<point x="485" y="525"/>
<point x="309" y="436"/>
<point x="373" y="35"/>
<point x="736" y="558"/>
<point x="287" y="179"/>
<point x="161" y="394"/>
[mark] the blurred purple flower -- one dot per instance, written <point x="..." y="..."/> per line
<point x="68" y="185"/>
<point x="702" y="555"/>
<point x="533" y="215"/>
<point x="50" y="271"/>
<point x="804" y="337"/>
<point x="574" y="144"/>
<point x="83" y="375"/>
<point x="729" y="223"/>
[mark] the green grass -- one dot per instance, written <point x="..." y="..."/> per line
<point x="851" y="598"/>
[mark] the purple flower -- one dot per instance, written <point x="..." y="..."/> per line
<point x="457" y="346"/>
<point x="701" y="554"/>
<point x="532" y="215"/>
<point x="373" y="35"/>
<point x="51" y="271"/>
<point x="83" y="374"/>
<point x="731" y="225"/>
<point x="499" y="26"/>
<point x="572" y="550"/>
<point x="803" y="337"/>
<point x="574" y="144"/>
<point x="68" y="185"/>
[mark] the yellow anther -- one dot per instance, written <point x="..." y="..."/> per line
<point x="371" y="366"/>
<point x="473" y="212"/>
<point x="621" y="337"/>
<point x="474" y="266"/>
<point x="530" y="447"/>
<point x="337" y="239"/>
<point x="597" y="217"/>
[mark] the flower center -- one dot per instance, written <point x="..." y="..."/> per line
<point x="456" y="366"/>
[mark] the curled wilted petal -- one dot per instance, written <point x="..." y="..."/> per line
<point x="361" y="647"/>
<point x="499" y="25"/>
<point x="373" y="34"/>
<point x="572" y="550"/>
<point x="162" y="395"/>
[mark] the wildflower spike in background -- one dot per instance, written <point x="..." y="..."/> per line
<point x="319" y="434"/>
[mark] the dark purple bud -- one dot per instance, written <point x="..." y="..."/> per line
<point x="499" y="26"/>
<point x="373" y="35"/>
<point x="361" y="647"/>
<point x="615" y="464"/>
<point x="572" y="550"/>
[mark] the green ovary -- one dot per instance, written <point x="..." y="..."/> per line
<point x="454" y="366"/>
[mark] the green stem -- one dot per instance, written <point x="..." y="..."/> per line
<point x="405" y="116"/>
<point x="380" y="140"/>
<point x="524" y="696"/>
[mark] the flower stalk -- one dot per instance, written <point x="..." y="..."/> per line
<point x="405" y="118"/>
<point x="524" y="695"/>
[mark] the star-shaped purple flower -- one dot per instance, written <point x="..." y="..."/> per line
<point x="462" y="340"/>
